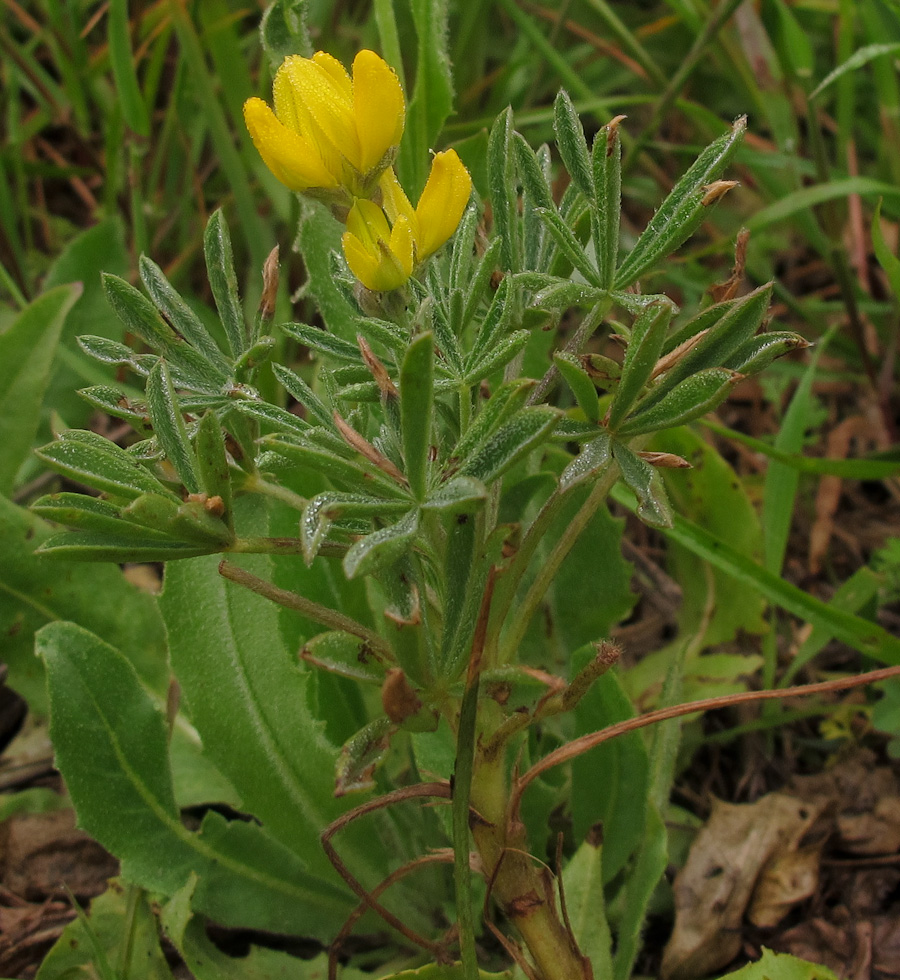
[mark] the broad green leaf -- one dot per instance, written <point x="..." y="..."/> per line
<point x="381" y="547"/>
<point x="594" y="567"/>
<point x="682" y="211"/>
<point x="207" y="962"/>
<point x="27" y="349"/>
<point x="89" y="458"/>
<point x="583" y="882"/>
<point x="416" y="410"/>
<point x="168" y="425"/>
<point x="101" y="247"/>
<point x="448" y="971"/>
<point x="252" y="718"/>
<point x="610" y="782"/>
<point x="223" y="281"/>
<point x="35" y="590"/>
<point x="102" y="720"/>
<point x="711" y="494"/>
<point x="121" y="928"/>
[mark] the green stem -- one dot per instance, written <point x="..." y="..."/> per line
<point x="550" y="567"/>
<point x="575" y="346"/>
<point x="254" y="483"/>
<point x="462" y="788"/>
<point x="465" y="409"/>
<point x="283" y="546"/>
<point x="306" y="607"/>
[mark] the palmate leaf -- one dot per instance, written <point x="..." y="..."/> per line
<point x="102" y="721"/>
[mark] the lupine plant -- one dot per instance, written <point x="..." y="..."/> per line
<point x="356" y="547"/>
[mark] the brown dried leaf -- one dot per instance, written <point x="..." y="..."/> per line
<point x="714" y="889"/>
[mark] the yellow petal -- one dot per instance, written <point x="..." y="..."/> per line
<point x="394" y="200"/>
<point x="286" y="98"/>
<point x="377" y="268"/>
<point x="378" y="108"/>
<point x="442" y="203"/>
<point x="403" y="245"/>
<point x="337" y="72"/>
<point x="325" y="115"/>
<point x="367" y="222"/>
<point x="285" y="152"/>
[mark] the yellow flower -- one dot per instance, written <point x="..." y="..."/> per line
<point x="329" y="132"/>
<point x="383" y="245"/>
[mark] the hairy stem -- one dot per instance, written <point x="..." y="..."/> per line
<point x="306" y="607"/>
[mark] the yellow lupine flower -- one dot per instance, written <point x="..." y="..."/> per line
<point x="329" y="132"/>
<point x="384" y="245"/>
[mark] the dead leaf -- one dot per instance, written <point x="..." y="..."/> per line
<point x="844" y="947"/>
<point x="714" y="889"/>
<point x="877" y="831"/>
<point x="789" y="878"/>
